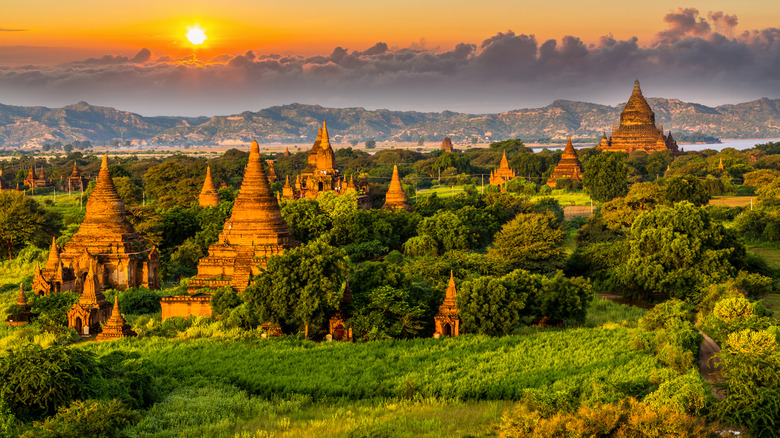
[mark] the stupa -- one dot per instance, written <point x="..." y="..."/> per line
<point x="91" y="310"/>
<point x="208" y="194"/>
<point x="21" y="317"/>
<point x="115" y="327"/>
<point x="395" y="199"/>
<point x="121" y="257"/>
<point x="447" y="320"/>
<point x="503" y="173"/>
<point x="446" y="145"/>
<point x="568" y="167"/>
<point x="75" y="181"/>
<point x="271" y="172"/>
<point x="320" y="175"/>
<point x="637" y="130"/>
<point x="38" y="179"/>
<point x="255" y="230"/>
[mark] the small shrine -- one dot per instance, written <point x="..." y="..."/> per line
<point x="395" y="199"/>
<point x="446" y="145"/>
<point x="22" y="316"/>
<point x="272" y="177"/>
<point x="75" y="181"/>
<point x="503" y="173"/>
<point x="568" y="167"/>
<point x="91" y="310"/>
<point x="447" y="320"/>
<point x="286" y="151"/>
<point x="208" y="196"/>
<point x="36" y="179"/>
<point x="637" y="130"/>
<point x="337" y="321"/>
<point x="115" y="327"/>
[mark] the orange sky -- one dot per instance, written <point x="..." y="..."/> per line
<point x="314" y="26"/>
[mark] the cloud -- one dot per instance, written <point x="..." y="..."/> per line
<point x="12" y="30"/>
<point x="699" y="58"/>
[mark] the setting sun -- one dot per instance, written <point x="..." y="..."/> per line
<point x="196" y="35"/>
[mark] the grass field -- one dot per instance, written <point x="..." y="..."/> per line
<point x="732" y="201"/>
<point x="770" y="253"/>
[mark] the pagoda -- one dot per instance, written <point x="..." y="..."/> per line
<point x="286" y="151"/>
<point x="321" y="176"/>
<point x="637" y="130"/>
<point x="23" y="316"/>
<point x="446" y="145"/>
<point x="105" y="239"/>
<point x="447" y="320"/>
<point x="337" y="321"/>
<point x="271" y="172"/>
<point x="395" y="199"/>
<point x="503" y="173"/>
<point x="568" y="167"/>
<point x="91" y="310"/>
<point x="115" y="327"/>
<point x="34" y="179"/>
<point x="254" y="231"/>
<point x="75" y="181"/>
<point x="208" y="194"/>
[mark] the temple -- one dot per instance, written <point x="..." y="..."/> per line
<point x="503" y="173"/>
<point x="320" y="175"/>
<point x="115" y="327"/>
<point x="34" y="179"/>
<point x="105" y="239"/>
<point x="395" y="199"/>
<point x="336" y="324"/>
<point x="208" y="194"/>
<point x="21" y="317"/>
<point x="254" y="231"/>
<point x="75" y="181"/>
<point x="447" y="320"/>
<point x="637" y="130"/>
<point x="568" y="167"/>
<point x="446" y="145"/>
<point x="91" y="310"/>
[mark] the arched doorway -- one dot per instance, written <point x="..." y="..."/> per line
<point x="320" y="186"/>
<point x="447" y="329"/>
<point x="77" y="324"/>
<point x="338" y="333"/>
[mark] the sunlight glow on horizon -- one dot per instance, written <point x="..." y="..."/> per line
<point x="196" y="35"/>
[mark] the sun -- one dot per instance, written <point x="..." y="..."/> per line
<point x="196" y="35"/>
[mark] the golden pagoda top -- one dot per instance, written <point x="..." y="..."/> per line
<point x="451" y="291"/>
<point x="446" y="145"/>
<point x="568" y="151"/>
<point x="208" y="195"/>
<point x="321" y="155"/>
<point x="75" y="172"/>
<point x="116" y="318"/>
<point x="91" y="292"/>
<point x="21" y="299"/>
<point x="568" y="166"/>
<point x="54" y="254"/>
<point x="256" y="213"/>
<point x="637" y="111"/>
<point x="504" y="164"/>
<point x="395" y="199"/>
<point x="105" y="210"/>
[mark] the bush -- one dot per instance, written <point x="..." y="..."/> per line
<point x="89" y="418"/>
<point x="136" y="300"/>
<point x="686" y="394"/>
<point x="224" y="298"/>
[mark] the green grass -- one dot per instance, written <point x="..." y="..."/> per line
<point x="767" y="251"/>
<point x="568" y="198"/>
<point x="444" y="191"/>
<point x="772" y="302"/>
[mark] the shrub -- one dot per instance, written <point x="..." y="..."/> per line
<point x="224" y="298"/>
<point x="88" y="418"/>
<point x="686" y="394"/>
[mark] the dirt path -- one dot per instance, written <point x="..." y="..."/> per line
<point x="707" y="366"/>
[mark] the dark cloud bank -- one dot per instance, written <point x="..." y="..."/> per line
<point x="697" y="58"/>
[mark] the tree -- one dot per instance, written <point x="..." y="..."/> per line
<point x="676" y="252"/>
<point x="353" y="143"/>
<point x="531" y="241"/>
<point x="769" y="195"/>
<point x="493" y="305"/>
<point x="24" y="221"/>
<point x="606" y="176"/>
<point x="448" y="230"/>
<point x="307" y="221"/>
<point x="300" y="286"/>
<point x="388" y="311"/>
<point x="370" y="144"/>
<point x="686" y="188"/>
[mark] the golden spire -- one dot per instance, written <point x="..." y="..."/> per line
<point x="208" y="195"/>
<point x="91" y="293"/>
<point x="569" y="149"/>
<point x="54" y="254"/>
<point x="451" y="291"/>
<point x="637" y="111"/>
<point x="287" y="181"/>
<point x="504" y="162"/>
<point x="720" y="165"/>
<point x="256" y="214"/>
<point x="21" y="299"/>
<point x="325" y="142"/>
<point x="395" y="199"/>
<point x="116" y="315"/>
<point x="105" y="209"/>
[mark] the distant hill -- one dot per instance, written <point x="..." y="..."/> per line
<point x="296" y="123"/>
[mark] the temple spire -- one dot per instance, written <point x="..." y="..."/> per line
<point x="569" y="149"/>
<point x="105" y="209"/>
<point x="21" y="299"/>
<point x="54" y="254"/>
<point x="325" y="141"/>
<point x="504" y="162"/>
<point x="395" y="199"/>
<point x="208" y="195"/>
<point x="451" y="291"/>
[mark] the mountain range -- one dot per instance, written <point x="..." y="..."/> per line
<point x="31" y="127"/>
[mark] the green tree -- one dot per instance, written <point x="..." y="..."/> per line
<point x="676" y="252"/>
<point x="224" y="298"/>
<point x="24" y="221"/>
<point x="370" y="144"/>
<point x="387" y="311"/>
<point x="307" y="221"/>
<point x="686" y="188"/>
<point x="421" y="245"/>
<point x="448" y="230"/>
<point x="300" y="286"/>
<point x="606" y="176"/>
<point x="769" y="195"/>
<point x="532" y="241"/>
<point x="494" y="305"/>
